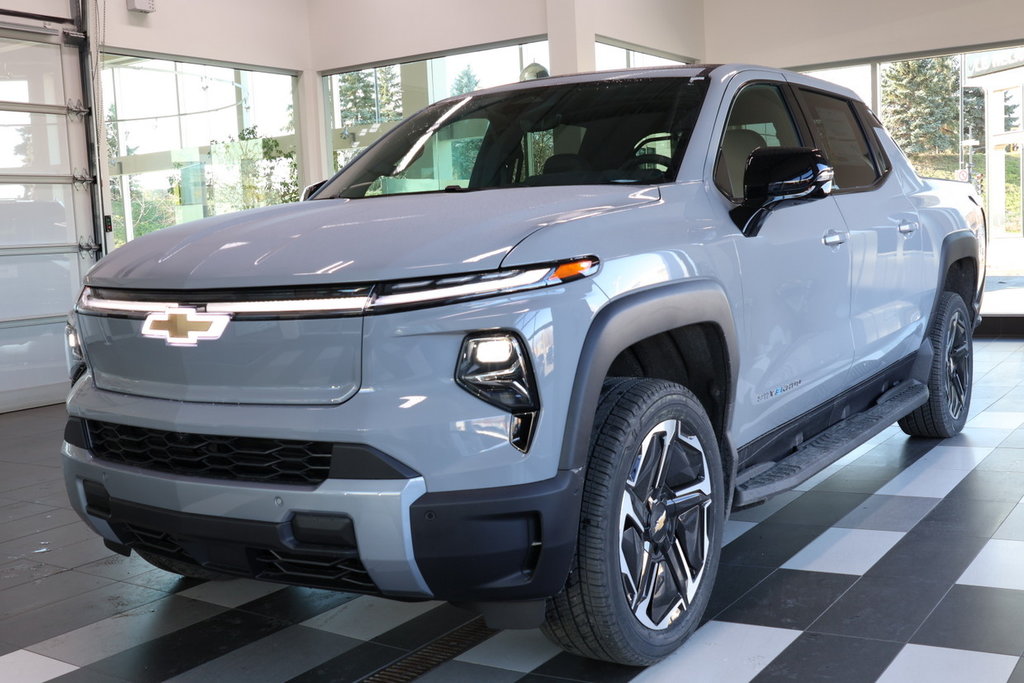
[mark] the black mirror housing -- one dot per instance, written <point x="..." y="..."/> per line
<point x="310" y="190"/>
<point x="776" y="174"/>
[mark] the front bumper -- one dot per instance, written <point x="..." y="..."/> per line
<point x="385" y="536"/>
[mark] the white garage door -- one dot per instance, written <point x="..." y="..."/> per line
<point x="46" y="209"/>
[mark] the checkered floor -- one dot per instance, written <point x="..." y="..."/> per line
<point x="902" y="562"/>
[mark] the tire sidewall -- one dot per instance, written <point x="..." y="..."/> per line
<point x="674" y="403"/>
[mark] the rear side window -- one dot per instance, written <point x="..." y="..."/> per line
<point x="759" y="118"/>
<point x="843" y="139"/>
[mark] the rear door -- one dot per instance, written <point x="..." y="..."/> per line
<point x="885" y="236"/>
<point x="46" y="204"/>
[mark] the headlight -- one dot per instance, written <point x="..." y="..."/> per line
<point x="73" y="351"/>
<point x="495" y="368"/>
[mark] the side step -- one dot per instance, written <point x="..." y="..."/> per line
<point x="832" y="444"/>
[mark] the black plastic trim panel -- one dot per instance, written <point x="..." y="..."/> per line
<point x="504" y="543"/>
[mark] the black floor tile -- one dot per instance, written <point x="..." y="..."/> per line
<point x="929" y="554"/>
<point x="420" y="630"/>
<point x="883" y="608"/>
<point x="570" y="667"/>
<point x="57" y="618"/>
<point x="769" y="544"/>
<point x="454" y="671"/>
<point x="187" y="648"/>
<point x="858" y="479"/>
<point x="976" y="618"/>
<point x="43" y="521"/>
<point x="788" y="599"/>
<point x="48" y="590"/>
<point x="962" y="515"/>
<point x="354" y="665"/>
<point x="18" y="509"/>
<point x="991" y="485"/>
<point x="732" y="582"/>
<point x="818" y="657"/>
<point x="87" y="675"/>
<point x="899" y="453"/>
<point x="1014" y="440"/>
<point x="20" y="572"/>
<point x="294" y="604"/>
<point x="821" y="508"/>
<point x="1002" y="459"/>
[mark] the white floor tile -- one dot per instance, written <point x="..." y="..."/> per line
<point x="1000" y="564"/>
<point x="232" y="593"/>
<point x="947" y="457"/>
<point x="944" y="665"/>
<point x="923" y="482"/>
<point x="516" y="650"/>
<point x="991" y="419"/>
<point x="844" y="551"/>
<point x="367" y="617"/>
<point x="28" y="667"/>
<point x="734" y="529"/>
<point x="978" y="437"/>
<point x="721" y="652"/>
<point x="1012" y="528"/>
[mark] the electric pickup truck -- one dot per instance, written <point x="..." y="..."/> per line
<point x="526" y="352"/>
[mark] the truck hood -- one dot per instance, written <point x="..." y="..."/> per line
<point x="347" y="241"/>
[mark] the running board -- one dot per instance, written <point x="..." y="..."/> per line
<point x="832" y="444"/>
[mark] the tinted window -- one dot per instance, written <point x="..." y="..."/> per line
<point x="759" y="118"/>
<point x="842" y="138"/>
<point x="619" y="131"/>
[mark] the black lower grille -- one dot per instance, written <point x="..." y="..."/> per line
<point x="205" y="455"/>
<point x="323" y="571"/>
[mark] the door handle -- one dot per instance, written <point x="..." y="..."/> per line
<point x="833" y="238"/>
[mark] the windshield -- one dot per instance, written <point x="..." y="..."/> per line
<point x="615" y="131"/>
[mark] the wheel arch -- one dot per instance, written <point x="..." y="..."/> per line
<point x="958" y="272"/>
<point x="686" y="314"/>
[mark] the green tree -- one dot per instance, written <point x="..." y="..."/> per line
<point x="921" y="105"/>
<point x="389" y="93"/>
<point x="357" y="97"/>
<point x="465" y="82"/>
<point x="266" y="173"/>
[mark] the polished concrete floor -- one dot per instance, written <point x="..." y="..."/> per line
<point x="902" y="562"/>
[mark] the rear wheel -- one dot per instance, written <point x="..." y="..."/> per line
<point x="650" y="530"/>
<point x="952" y="372"/>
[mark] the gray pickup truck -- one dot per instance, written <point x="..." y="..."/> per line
<point x="526" y="352"/>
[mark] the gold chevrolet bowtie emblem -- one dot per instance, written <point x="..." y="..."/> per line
<point x="184" y="326"/>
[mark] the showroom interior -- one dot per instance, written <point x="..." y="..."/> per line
<point x="903" y="561"/>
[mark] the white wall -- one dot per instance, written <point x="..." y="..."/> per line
<point x="672" y="26"/>
<point x="344" y="33"/>
<point x="797" y="33"/>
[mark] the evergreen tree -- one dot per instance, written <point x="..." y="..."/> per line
<point x="357" y="97"/>
<point x="465" y="82"/>
<point x="389" y="93"/>
<point x="920" y="104"/>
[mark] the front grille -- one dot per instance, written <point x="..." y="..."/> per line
<point x="219" y="457"/>
<point x="309" y="569"/>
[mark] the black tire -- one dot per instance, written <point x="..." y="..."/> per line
<point x="609" y="608"/>
<point x="952" y="372"/>
<point x="181" y="568"/>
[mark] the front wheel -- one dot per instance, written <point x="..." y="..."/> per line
<point x="949" y="382"/>
<point x="650" y="529"/>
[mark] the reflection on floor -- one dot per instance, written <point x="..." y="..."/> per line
<point x="902" y="562"/>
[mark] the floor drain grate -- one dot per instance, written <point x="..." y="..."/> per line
<point x="434" y="654"/>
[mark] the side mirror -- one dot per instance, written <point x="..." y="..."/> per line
<point x="777" y="174"/>
<point x="310" y="190"/>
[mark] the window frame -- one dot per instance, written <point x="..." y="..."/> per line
<point x="857" y="109"/>
<point x="796" y="115"/>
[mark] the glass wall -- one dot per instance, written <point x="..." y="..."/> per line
<point x="958" y="117"/>
<point x="609" y="57"/>
<point x="363" y="105"/>
<point x="187" y="141"/>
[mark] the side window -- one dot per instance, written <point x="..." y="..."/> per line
<point x="840" y="134"/>
<point x="759" y="118"/>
